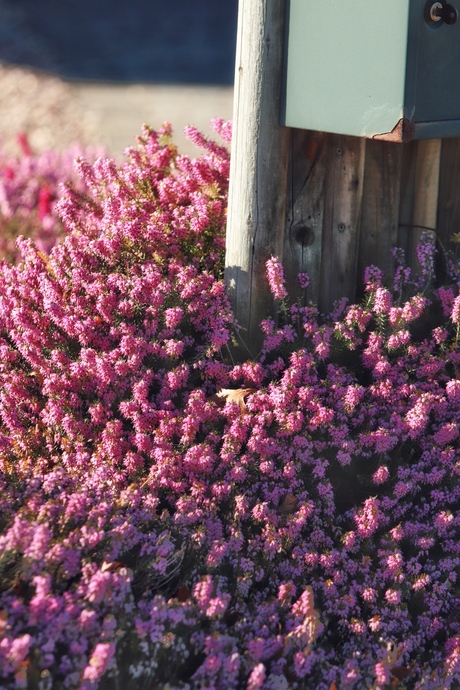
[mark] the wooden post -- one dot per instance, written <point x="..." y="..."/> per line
<point x="259" y="158"/>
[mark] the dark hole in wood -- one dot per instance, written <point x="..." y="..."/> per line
<point x="302" y="234"/>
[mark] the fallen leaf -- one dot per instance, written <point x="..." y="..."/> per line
<point x="232" y="617"/>
<point x="110" y="566"/>
<point x="401" y="672"/>
<point x="238" y="395"/>
<point x="183" y="594"/>
<point x="288" y="505"/>
<point x="45" y="258"/>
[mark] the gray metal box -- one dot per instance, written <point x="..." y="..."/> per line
<point x="387" y="69"/>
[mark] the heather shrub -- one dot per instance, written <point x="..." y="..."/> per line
<point x="30" y="187"/>
<point x="171" y="518"/>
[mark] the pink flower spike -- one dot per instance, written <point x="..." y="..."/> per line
<point x="275" y="275"/>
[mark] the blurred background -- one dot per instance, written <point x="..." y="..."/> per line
<point x="93" y="71"/>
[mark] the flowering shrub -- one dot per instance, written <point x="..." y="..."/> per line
<point x="159" y="530"/>
<point x="30" y="186"/>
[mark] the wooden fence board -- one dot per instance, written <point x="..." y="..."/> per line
<point x="448" y="219"/>
<point x="406" y="199"/>
<point x="304" y="211"/>
<point x="425" y="194"/>
<point x="341" y="222"/>
<point x="380" y="205"/>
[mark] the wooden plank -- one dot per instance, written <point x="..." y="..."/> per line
<point x="380" y="206"/>
<point x="406" y="200"/>
<point x="259" y="159"/>
<point x="341" y="222"/>
<point x="448" y="220"/>
<point x="425" y="194"/>
<point x="304" y="212"/>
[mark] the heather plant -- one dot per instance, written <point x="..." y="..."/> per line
<point x="30" y="187"/>
<point x="173" y="519"/>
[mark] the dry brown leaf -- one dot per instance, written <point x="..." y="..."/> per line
<point x="238" y="395"/>
<point x="288" y="505"/>
<point x="183" y="594"/>
<point x="110" y="566"/>
<point x="401" y="672"/>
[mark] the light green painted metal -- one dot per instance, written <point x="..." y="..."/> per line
<point x="346" y="65"/>
<point x="372" y="68"/>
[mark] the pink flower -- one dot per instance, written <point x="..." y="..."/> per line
<point x="393" y="596"/>
<point x="368" y="517"/>
<point x="453" y="390"/>
<point x="369" y="594"/>
<point x="19" y="649"/>
<point x="257" y="677"/>
<point x="275" y="275"/>
<point x="382" y="301"/>
<point x="421" y="582"/>
<point x="382" y="674"/>
<point x="286" y="591"/>
<point x="381" y="475"/>
<point x="99" y="661"/>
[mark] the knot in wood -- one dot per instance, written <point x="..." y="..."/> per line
<point x="302" y="234"/>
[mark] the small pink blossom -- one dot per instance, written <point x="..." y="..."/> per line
<point x="393" y="596"/>
<point x="368" y="517"/>
<point x="421" y="582"/>
<point x="382" y="301"/>
<point x="257" y="677"/>
<point x="275" y="275"/>
<point x="381" y="475"/>
<point x="382" y="674"/>
<point x="99" y="661"/>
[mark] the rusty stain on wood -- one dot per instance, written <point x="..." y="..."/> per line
<point x="401" y="133"/>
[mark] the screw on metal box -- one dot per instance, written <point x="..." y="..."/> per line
<point x="442" y="12"/>
<point x="435" y="12"/>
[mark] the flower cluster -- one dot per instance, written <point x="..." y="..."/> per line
<point x="159" y="529"/>
<point x="30" y="186"/>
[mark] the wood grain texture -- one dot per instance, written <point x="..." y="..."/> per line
<point x="380" y="205"/>
<point x="448" y="219"/>
<point x="426" y="191"/>
<point x="407" y="191"/>
<point x="343" y="171"/>
<point x="325" y="204"/>
<point x="258" y="175"/>
<point x="305" y="212"/>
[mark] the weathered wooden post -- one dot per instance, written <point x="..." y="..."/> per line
<point x="369" y="156"/>
<point x="257" y="197"/>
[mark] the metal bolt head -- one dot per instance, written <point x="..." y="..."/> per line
<point x="435" y="12"/>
